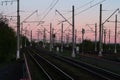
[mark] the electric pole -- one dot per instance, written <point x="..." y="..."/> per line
<point x="104" y="36"/>
<point x="38" y="35"/>
<point x="25" y="37"/>
<point x="73" y="38"/>
<point x="62" y="37"/>
<point x="115" y="51"/>
<point x="18" y="30"/>
<point x="101" y="37"/>
<point x="109" y="39"/>
<point x="83" y="32"/>
<point x="53" y="38"/>
<point x="95" y="36"/>
<point x="44" y="37"/>
<point x="50" y="37"/>
<point x="21" y="35"/>
<point x="31" y="38"/>
<point x="67" y="39"/>
<point x="100" y="32"/>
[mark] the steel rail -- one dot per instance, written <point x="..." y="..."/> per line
<point x="55" y="66"/>
<point x="40" y="66"/>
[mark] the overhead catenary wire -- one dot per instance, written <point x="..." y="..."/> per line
<point x="45" y="28"/>
<point x="49" y="11"/>
<point x="84" y="5"/>
<point x="85" y="9"/>
<point x="52" y="6"/>
<point x="30" y="15"/>
<point x="67" y="28"/>
<point x="49" y="6"/>
<point x="88" y="8"/>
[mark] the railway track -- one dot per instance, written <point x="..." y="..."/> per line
<point x="112" y="66"/>
<point x="104" y="74"/>
<point x="104" y="59"/>
<point x="51" y="71"/>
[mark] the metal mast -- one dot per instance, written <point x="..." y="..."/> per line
<point x="62" y="37"/>
<point x="73" y="36"/>
<point x="18" y="30"/>
<point x="115" y="51"/>
<point x="50" y="37"/>
<point x="100" y="32"/>
<point x="95" y="36"/>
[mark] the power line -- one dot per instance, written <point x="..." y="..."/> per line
<point x="67" y="12"/>
<point x="48" y="7"/>
<point x="67" y="28"/>
<point x="48" y="11"/>
<point x="90" y="7"/>
<point x="85" y="5"/>
<point x="30" y="15"/>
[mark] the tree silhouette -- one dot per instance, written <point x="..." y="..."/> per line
<point x="7" y="41"/>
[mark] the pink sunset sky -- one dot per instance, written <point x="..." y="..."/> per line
<point x="84" y="14"/>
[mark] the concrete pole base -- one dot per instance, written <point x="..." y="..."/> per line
<point x="61" y="49"/>
<point x="18" y="54"/>
<point x="43" y="46"/>
<point x="100" y="54"/>
<point x="115" y="51"/>
<point x="73" y="53"/>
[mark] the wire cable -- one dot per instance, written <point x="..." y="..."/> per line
<point x="52" y="6"/>
<point x="48" y="11"/>
<point x="90" y="7"/>
<point x="85" y="5"/>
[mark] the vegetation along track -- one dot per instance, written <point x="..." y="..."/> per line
<point x="50" y="70"/>
<point x="104" y="74"/>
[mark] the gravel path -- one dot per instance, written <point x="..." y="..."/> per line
<point x="12" y="71"/>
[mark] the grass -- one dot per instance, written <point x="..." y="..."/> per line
<point x="66" y="53"/>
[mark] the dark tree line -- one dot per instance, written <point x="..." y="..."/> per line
<point x="7" y="41"/>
